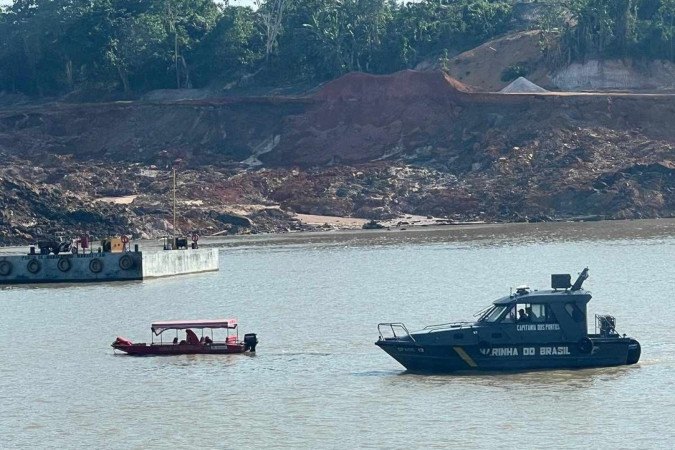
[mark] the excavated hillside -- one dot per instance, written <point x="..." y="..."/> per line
<point x="363" y="145"/>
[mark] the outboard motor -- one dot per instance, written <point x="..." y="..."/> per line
<point x="607" y="326"/>
<point x="634" y="351"/>
<point x="250" y="341"/>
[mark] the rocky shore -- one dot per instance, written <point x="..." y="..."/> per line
<point x="363" y="146"/>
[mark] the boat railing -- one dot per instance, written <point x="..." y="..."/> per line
<point x="393" y="326"/>
<point x="449" y="325"/>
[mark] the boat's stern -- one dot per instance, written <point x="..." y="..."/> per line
<point x="627" y="346"/>
<point x="634" y="351"/>
<point x="250" y="342"/>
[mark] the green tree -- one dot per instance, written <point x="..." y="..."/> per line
<point x="619" y="28"/>
<point x="665" y="23"/>
<point x="187" y="22"/>
<point x="232" y="49"/>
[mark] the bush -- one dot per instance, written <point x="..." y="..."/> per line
<point x="515" y="71"/>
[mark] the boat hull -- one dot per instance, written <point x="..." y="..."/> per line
<point x="180" y="349"/>
<point x="449" y="358"/>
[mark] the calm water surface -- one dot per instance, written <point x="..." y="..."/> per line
<point x="317" y="380"/>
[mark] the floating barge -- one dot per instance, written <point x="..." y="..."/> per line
<point x="113" y="261"/>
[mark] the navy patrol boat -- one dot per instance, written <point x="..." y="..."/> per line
<point x="526" y="330"/>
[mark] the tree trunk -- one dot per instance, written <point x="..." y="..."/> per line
<point x="32" y="64"/>
<point x="69" y="74"/>
<point x="175" y="56"/>
<point x="188" y="83"/>
<point x="125" y="79"/>
<point x="672" y="16"/>
<point x="272" y="22"/>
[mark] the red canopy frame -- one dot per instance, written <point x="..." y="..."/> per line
<point x="160" y="327"/>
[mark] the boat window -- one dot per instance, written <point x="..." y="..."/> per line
<point x="540" y="313"/>
<point x="536" y="313"/>
<point x="531" y="313"/>
<point x="517" y="313"/>
<point x="574" y="312"/>
<point x="510" y="317"/>
<point x="550" y="316"/>
<point x="493" y="315"/>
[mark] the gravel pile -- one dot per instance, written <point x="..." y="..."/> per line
<point x="522" y="85"/>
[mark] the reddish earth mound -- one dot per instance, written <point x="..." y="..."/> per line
<point x="404" y="84"/>
<point x="361" y="117"/>
<point x="423" y="116"/>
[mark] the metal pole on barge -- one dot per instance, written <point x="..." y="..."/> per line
<point x="174" y="203"/>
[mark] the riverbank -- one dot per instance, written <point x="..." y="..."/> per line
<point x="362" y="146"/>
<point x="615" y="230"/>
<point x="503" y="233"/>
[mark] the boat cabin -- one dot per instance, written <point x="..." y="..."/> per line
<point x="555" y="315"/>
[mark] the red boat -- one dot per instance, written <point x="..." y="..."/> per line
<point x="191" y="344"/>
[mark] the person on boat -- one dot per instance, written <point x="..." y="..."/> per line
<point x="522" y="316"/>
<point x="208" y="340"/>
<point x="191" y="337"/>
<point x="175" y="340"/>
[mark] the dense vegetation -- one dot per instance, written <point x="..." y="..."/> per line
<point x="50" y="47"/>
<point x="639" y="29"/>
<point x="53" y="47"/>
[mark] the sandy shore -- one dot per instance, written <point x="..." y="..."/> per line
<point x="351" y="223"/>
<point x="337" y="222"/>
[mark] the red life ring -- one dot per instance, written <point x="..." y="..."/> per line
<point x="125" y="239"/>
<point x="195" y="237"/>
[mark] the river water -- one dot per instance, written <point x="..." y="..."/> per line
<point x="317" y="380"/>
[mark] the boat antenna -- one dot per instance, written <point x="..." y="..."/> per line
<point x="582" y="277"/>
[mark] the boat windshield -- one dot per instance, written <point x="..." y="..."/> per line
<point x="480" y="314"/>
<point x="492" y="314"/>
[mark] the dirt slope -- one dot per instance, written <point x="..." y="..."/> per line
<point x="484" y="65"/>
<point x="201" y="131"/>
<point x="363" y="145"/>
<point x="360" y="118"/>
